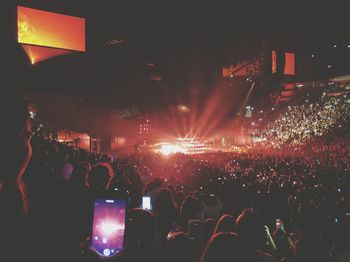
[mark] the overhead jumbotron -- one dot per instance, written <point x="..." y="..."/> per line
<point x="44" y="35"/>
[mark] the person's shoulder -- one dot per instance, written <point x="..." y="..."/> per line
<point x="20" y="236"/>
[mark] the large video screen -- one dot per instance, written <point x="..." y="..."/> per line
<point x="289" y="68"/>
<point x="289" y="63"/>
<point x="47" y="29"/>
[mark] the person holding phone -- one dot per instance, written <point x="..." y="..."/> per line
<point x="98" y="183"/>
<point x="253" y="233"/>
<point x="137" y="244"/>
<point x="284" y="244"/>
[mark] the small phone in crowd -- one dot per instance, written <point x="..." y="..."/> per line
<point x="279" y="224"/>
<point x="108" y="226"/>
<point x="146" y="203"/>
<point x="194" y="229"/>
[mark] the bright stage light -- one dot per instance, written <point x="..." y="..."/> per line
<point x="170" y="149"/>
<point x="181" y="145"/>
<point x="109" y="228"/>
<point x="183" y="108"/>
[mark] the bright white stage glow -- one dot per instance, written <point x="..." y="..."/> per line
<point x="170" y="149"/>
<point x="181" y="145"/>
<point x="109" y="228"/>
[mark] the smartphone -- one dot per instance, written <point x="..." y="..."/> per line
<point x="108" y="226"/>
<point x="279" y="224"/>
<point x="194" y="229"/>
<point x="146" y="203"/>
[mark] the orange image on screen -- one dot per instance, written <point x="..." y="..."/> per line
<point x="274" y="62"/>
<point x="289" y="68"/>
<point x="42" y="28"/>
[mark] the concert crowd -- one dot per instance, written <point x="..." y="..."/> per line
<point x="255" y="205"/>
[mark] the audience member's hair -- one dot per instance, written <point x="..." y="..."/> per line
<point x="224" y="247"/>
<point x="100" y="177"/>
<point x="226" y="223"/>
<point x="80" y="175"/>
<point x="164" y="200"/>
<point x="166" y="210"/>
<point x="141" y="227"/>
<point x="180" y="196"/>
<point x="172" y="189"/>
<point x="191" y="209"/>
<point x="251" y="229"/>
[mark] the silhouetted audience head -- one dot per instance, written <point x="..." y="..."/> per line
<point x="100" y="177"/>
<point x="152" y="185"/>
<point x="140" y="239"/>
<point x="172" y="189"/>
<point x="80" y="175"/>
<point x="180" y="196"/>
<point x="196" y="194"/>
<point x="226" y="223"/>
<point x="141" y="228"/>
<point x="191" y="209"/>
<point x="224" y="247"/>
<point x="166" y="211"/>
<point x="251" y="229"/>
<point x="164" y="201"/>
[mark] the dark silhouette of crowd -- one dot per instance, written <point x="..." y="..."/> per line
<point x="209" y="207"/>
